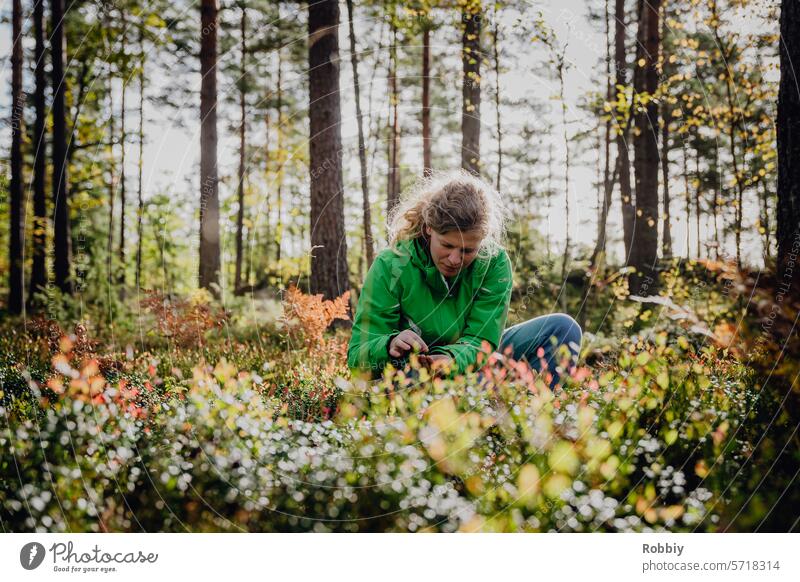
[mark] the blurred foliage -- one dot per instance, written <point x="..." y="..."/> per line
<point x="665" y="431"/>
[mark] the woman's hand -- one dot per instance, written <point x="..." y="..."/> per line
<point x="404" y="342"/>
<point x="436" y="363"/>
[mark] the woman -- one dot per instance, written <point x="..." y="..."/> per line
<point x="443" y="287"/>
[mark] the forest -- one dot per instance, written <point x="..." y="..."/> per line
<point x="193" y="192"/>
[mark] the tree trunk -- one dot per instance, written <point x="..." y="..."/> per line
<point x="39" y="267"/>
<point x="209" y="182"/>
<point x="112" y="184"/>
<point x="16" y="276"/>
<point x="369" y="247"/>
<point x="715" y="204"/>
<point x="496" y="60"/>
<point x="608" y="179"/>
<point x="237" y="284"/>
<point x="549" y="196"/>
<point x="122" y="202"/>
<point x="598" y="254"/>
<point x="62" y="239"/>
<point x="698" y="194"/>
<point x="427" y="167"/>
<point x="567" y="240"/>
<point x="666" y="238"/>
<point x="329" y="271"/>
<point x="393" y="185"/>
<point x="645" y="246"/>
<point x="281" y="161"/>
<point x="687" y="195"/>
<point x="732" y="126"/>
<point x="788" y="127"/>
<point x="626" y="194"/>
<point x="471" y="89"/>
<point x="765" y="223"/>
<point x="666" y="233"/>
<point x="140" y="164"/>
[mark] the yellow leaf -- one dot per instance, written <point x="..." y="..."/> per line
<point x="528" y="484"/>
<point x="563" y="459"/>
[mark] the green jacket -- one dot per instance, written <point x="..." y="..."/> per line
<point x="405" y="290"/>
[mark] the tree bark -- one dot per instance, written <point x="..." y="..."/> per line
<point x="496" y="61"/>
<point x="122" y="202"/>
<point x="427" y="167"/>
<point x="140" y="162"/>
<point x="788" y="127"/>
<point x="687" y="196"/>
<point x="39" y="267"/>
<point x="209" y="182"/>
<point x="393" y="186"/>
<point x="242" y="156"/>
<point x="112" y="182"/>
<point x="698" y="193"/>
<point x="765" y="223"/>
<point x="626" y="193"/>
<point x="369" y="247"/>
<point x="471" y="89"/>
<point x="732" y="126"/>
<point x="62" y="239"/>
<point x="666" y="232"/>
<point x="666" y="238"/>
<point x="329" y="270"/>
<point x="16" y="284"/>
<point x="281" y="159"/>
<point x="608" y="179"/>
<point x="644" y="281"/>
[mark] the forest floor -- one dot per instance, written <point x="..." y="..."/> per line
<point x="191" y="419"/>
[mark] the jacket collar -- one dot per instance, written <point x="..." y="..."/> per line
<point x="421" y="258"/>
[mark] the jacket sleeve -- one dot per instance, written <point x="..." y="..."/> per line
<point x="377" y="318"/>
<point x="487" y="316"/>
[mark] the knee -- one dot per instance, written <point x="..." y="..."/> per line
<point x="567" y="330"/>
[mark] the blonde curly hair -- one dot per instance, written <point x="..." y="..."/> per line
<point x="448" y="201"/>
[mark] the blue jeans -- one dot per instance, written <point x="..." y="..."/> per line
<point x="548" y="332"/>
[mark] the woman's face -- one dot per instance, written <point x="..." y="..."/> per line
<point x="454" y="250"/>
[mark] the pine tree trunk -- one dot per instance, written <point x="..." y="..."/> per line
<point x="666" y="238"/>
<point x="393" y="186"/>
<point x="607" y="182"/>
<point x="369" y="247"/>
<point x="122" y="202"/>
<point x="471" y="89"/>
<point x="62" y="239"/>
<point x="39" y="267"/>
<point x="608" y="179"/>
<point x="281" y="158"/>
<point x="765" y="223"/>
<point x="687" y="195"/>
<point x="732" y="126"/>
<point x="140" y="164"/>
<point x="329" y="270"/>
<point x="715" y="204"/>
<point x="16" y="276"/>
<point x="427" y="167"/>
<point x="496" y="60"/>
<point x="112" y="185"/>
<point x="698" y="194"/>
<point x="625" y="191"/>
<point x="645" y="245"/>
<point x="237" y="285"/>
<point x="567" y="161"/>
<point x="209" y="271"/>
<point x="788" y="125"/>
